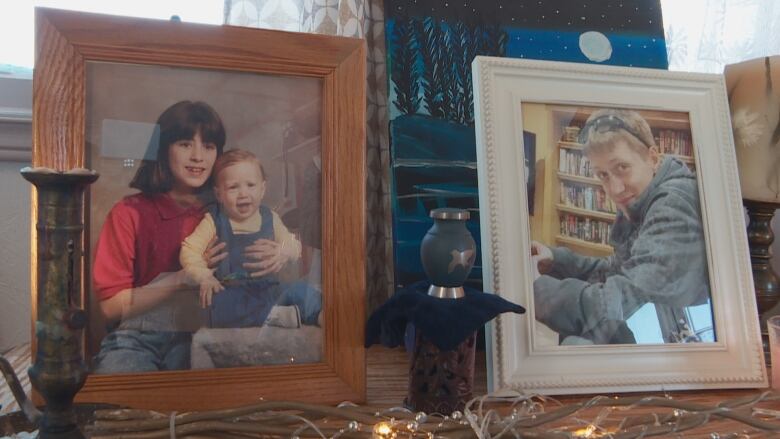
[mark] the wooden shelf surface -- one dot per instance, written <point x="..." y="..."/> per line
<point x="606" y="216"/>
<point x="570" y="145"/>
<point x="387" y="377"/>
<point x="582" y="243"/>
<point x="579" y="179"/>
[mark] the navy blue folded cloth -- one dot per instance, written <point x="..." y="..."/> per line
<point x="445" y="322"/>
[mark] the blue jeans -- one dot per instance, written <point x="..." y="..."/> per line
<point x="248" y="304"/>
<point x="133" y="350"/>
<point x="308" y="300"/>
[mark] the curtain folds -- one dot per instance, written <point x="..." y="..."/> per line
<point x="705" y="35"/>
<point x="360" y="19"/>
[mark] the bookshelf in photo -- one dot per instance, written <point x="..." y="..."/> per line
<point x="584" y="213"/>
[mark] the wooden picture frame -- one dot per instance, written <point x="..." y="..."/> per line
<point x="553" y="100"/>
<point x="67" y="43"/>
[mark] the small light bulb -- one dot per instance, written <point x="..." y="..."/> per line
<point x="586" y="432"/>
<point x="382" y="430"/>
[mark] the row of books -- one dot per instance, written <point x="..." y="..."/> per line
<point x="669" y="142"/>
<point x="574" y="163"/>
<point x="586" y="229"/>
<point x="675" y="142"/>
<point x="586" y="197"/>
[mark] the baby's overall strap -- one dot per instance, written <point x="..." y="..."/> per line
<point x="267" y="225"/>
<point x="224" y="232"/>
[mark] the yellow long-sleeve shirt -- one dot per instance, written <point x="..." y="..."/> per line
<point x="191" y="256"/>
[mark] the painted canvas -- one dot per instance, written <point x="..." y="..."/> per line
<point x="430" y="46"/>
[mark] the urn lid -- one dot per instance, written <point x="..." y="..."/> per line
<point x="450" y="213"/>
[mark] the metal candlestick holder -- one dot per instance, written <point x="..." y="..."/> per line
<point x="59" y="372"/>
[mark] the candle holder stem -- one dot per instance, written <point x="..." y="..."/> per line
<point x="766" y="281"/>
<point x="59" y="370"/>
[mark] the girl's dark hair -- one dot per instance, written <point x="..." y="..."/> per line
<point x="180" y="121"/>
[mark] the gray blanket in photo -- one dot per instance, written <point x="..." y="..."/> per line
<point x="238" y="347"/>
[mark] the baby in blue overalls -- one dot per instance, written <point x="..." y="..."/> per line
<point x="234" y="297"/>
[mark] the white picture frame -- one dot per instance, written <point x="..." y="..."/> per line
<point x="517" y="358"/>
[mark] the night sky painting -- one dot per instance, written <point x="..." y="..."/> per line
<point x="430" y="47"/>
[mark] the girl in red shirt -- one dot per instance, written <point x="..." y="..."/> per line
<point x="137" y="277"/>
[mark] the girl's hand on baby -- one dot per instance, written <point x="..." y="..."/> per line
<point x="214" y="253"/>
<point x="209" y="288"/>
<point x="268" y="256"/>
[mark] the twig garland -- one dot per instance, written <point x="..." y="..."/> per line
<point x="483" y="418"/>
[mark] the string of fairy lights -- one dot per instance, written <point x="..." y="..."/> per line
<point x="487" y="417"/>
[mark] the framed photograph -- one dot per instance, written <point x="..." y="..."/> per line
<point x="634" y="260"/>
<point x="224" y="240"/>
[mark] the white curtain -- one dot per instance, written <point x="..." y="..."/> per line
<point x="265" y="14"/>
<point x="705" y="35"/>
<point x="350" y="18"/>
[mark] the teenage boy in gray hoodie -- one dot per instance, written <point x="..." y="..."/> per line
<point x="660" y="255"/>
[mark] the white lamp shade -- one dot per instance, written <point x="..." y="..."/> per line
<point x="754" y="98"/>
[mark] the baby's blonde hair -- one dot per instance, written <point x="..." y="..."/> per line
<point x="233" y="156"/>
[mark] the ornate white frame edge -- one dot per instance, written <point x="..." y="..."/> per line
<point x="484" y="71"/>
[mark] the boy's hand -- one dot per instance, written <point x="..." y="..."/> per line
<point x="541" y="257"/>
<point x="208" y="288"/>
<point x="535" y="274"/>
